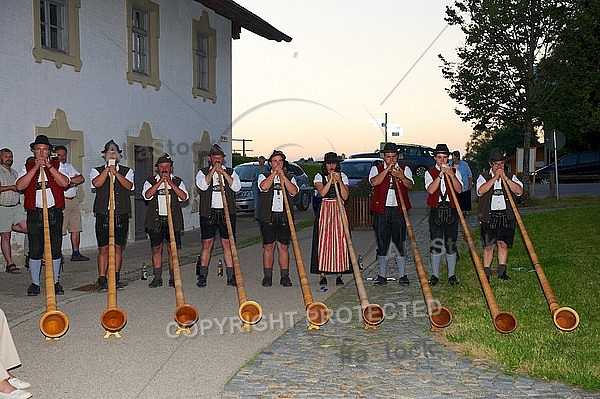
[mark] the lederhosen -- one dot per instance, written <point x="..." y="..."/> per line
<point x="214" y="218"/>
<point x="443" y="218"/>
<point x="496" y="225"/>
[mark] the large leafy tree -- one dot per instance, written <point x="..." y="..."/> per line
<point x="571" y="75"/>
<point x="494" y="78"/>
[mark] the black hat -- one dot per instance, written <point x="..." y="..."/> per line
<point x="497" y="155"/>
<point x="163" y="159"/>
<point x="441" y="149"/>
<point x="111" y="146"/>
<point x="216" y="150"/>
<point x="276" y="153"/>
<point x="390" y="147"/>
<point x="41" y="139"/>
<point x="331" y="157"/>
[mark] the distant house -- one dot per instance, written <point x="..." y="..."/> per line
<point x="155" y="76"/>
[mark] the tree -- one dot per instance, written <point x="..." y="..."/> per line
<point x="494" y="79"/>
<point x="570" y="75"/>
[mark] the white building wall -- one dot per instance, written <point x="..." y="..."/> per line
<point x="99" y="101"/>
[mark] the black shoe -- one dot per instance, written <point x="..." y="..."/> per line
<point x="102" y="284"/>
<point x="267" y="281"/>
<point x="380" y="280"/>
<point x="231" y="282"/>
<point x="79" y="258"/>
<point x="285" y="281"/>
<point x="404" y="280"/>
<point x="156" y="282"/>
<point x="120" y="285"/>
<point x="58" y="289"/>
<point x="453" y="280"/>
<point x="171" y="283"/>
<point x="339" y="281"/>
<point x="323" y="281"/>
<point x="503" y="276"/>
<point x="33" y="290"/>
<point x="488" y="272"/>
<point x="433" y="280"/>
<point x="201" y="281"/>
<point x="27" y="262"/>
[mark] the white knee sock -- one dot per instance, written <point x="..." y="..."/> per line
<point x="435" y="264"/>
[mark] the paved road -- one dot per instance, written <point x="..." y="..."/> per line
<point x="278" y="358"/>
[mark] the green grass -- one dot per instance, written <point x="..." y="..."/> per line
<point x="566" y="243"/>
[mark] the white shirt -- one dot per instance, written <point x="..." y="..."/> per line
<point x="162" y="200"/>
<point x="70" y="172"/>
<point x="278" y="204"/>
<point x="217" y="200"/>
<point x="319" y="178"/>
<point x="498" y="203"/>
<point x="390" y="199"/>
<point x="443" y="188"/>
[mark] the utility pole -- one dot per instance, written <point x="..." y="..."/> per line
<point x="243" y="145"/>
<point x="385" y="126"/>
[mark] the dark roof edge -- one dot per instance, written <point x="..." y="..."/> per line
<point x="241" y="17"/>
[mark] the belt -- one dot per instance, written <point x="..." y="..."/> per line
<point x="69" y="198"/>
<point x="9" y="206"/>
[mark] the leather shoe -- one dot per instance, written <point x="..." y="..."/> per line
<point x="380" y="280"/>
<point x="339" y="281"/>
<point x="33" y="290"/>
<point x="156" y="282"/>
<point x="267" y="281"/>
<point x="285" y="281"/>
<point x="503" y="276"/>
<point x="323" y="281"/>
<point x="433" y="280"/>
<point x="58" y="289"/>
<point x="453" y="280"/>
<point x="79" y="258"/>
<point x="404" y="280"/>
<point x="232" y="282"/>
<point x="201" y="281"/>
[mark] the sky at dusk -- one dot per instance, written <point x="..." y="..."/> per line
<point x="344" y="68"/>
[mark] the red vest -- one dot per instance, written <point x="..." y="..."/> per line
<point x="377" y="204"/>
<point x="57" y="191"/>
<point x="432" y="199"/>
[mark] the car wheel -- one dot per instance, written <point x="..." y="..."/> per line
<point x="421" y="171"/>
<point x="545" y="180"/>
<point x="305" y="200"/>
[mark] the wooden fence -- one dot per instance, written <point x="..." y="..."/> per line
<point x="359" y="214"/>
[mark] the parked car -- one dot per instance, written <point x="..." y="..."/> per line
<point x="244" y="199"/>
<point x="418" y="158"/>
<point x="356" y="169"/>
<point x="576" y="167"/>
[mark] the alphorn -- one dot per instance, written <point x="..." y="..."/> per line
<point x="565" y="318"/>
<point x="185" y="315"/>
<point x="317" y="313"/>
<point x="54" y="323"/>
<point x="439" y="316"/>
<point x="250" y="312"/>
<point x="504" y="322"/>
<point x="113" y="319"/>
<point x="372" y="313"/>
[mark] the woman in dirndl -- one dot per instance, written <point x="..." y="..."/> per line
<point x="330" y="249"/>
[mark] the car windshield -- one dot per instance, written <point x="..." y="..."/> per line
<point x="244" y="172"/>
<point x="356" y="170"/>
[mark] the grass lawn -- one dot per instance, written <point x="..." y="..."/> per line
<point x="566" y="243"/>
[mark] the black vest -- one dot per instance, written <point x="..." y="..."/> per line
<point x="152" y="218"/>
<point x="206" y="196"/>
<point x="266" y="201"/>
<point x="122" y="196"/>
<point x="484" y="208"/>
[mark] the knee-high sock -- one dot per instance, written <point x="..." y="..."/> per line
<point x="56" y="269"/>
<point x="35" y="266"/>
<point x="401" y="263"/>
<point x="382" y="265"/>
<point x="451" y="259"/>
<point x="435" y="264"/>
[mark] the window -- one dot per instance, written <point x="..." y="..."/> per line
<point x="56" y="33"/>
<point x="204" y="43"/>
<point x="142" y="42"/>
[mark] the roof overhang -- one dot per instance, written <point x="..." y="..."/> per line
<point x="242" y="18"/>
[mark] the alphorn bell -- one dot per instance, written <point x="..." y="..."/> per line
<point x="372" y="313"/>
<point x="317" y="313"/>
<point x="250" y="312"/>
<point x="565" y="318"/>
<point x="439" y="316"/>
<point x="54" y="323"/>
<point x="113" y="319"/>
<point x="504" y="322"/>
<point x="185" y="315"/>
